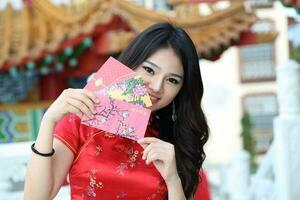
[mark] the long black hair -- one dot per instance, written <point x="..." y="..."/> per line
<point x="189" y="132"/>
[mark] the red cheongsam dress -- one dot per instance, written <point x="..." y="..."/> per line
<point x="107" y="166"/>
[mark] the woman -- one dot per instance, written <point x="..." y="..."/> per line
<point x="163" y="165"/>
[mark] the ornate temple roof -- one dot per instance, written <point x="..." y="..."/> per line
<point x="40" y="27"/>
<point x="292" y="3"/>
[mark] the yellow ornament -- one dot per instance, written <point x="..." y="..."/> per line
<point x="98" y="82"/>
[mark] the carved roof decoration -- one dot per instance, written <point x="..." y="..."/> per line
<point x="40" y="27"/>
<point x="292" y="3"/>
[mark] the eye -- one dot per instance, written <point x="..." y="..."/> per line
<point x="173" y="81"/>
<point x="148" y="70"/>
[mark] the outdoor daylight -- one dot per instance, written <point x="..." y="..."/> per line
<point x="150" y="99"/>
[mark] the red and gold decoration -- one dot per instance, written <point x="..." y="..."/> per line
<point x="41" y="33"/>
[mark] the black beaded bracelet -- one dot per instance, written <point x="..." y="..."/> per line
<point x="42" y="154"/>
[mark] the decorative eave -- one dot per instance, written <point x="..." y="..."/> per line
<point x="31" y="33"/>
<point x="250" y="38"/>
<point x="292" y="4"/>
<point x="211" y="34"/>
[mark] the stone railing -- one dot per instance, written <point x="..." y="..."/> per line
<point x="278" y="176"/>
<point x="287" y="132"/>
<point x="262" y="185"/>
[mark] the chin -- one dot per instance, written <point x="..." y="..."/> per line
<point x="156" y="107"/>
<point x="153" y="108"/>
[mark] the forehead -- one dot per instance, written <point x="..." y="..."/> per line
<point x="167" y="60"/>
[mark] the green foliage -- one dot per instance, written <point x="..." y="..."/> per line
<point x="3" y="137"/>
<point x="131" y="84"/>
<point x="295" y="54"/>
<point x="248" y="140"/>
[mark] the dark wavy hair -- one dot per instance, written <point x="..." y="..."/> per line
<point x="189" y="132"/>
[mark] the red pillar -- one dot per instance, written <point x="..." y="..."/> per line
<point x="51" y="86"/>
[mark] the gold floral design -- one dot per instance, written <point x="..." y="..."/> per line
<point x="109" y="135"/>
<point x="98" y="150"/>
<point x="94" y="184"/>
<point x="132" y="158"/>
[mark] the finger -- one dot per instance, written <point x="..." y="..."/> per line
<point x="74" y="110"/>
<point x="85" y="99"/>
<point x="151" y="140"/>
<point x="146" y="151"/>
<point x="82" y="95"/>
<point x="157" y="147"/>
<point x="154" y="155"/>
<point x="81" y="106"/>
<point x="144" y="145"/>
<point x="148" y="140"/>
<point x="91" y="95"/>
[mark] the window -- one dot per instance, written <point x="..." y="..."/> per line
<point x="261" y="3"/>
<point x="257" y="62"/>
<point x="262" y="109"/>
<point x="263" y="26"/>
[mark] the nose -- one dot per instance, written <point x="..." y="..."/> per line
<point x="156" y="85"/>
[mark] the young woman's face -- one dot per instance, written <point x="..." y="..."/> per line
<point x="163" y="76"/>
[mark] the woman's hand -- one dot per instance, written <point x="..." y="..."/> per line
<point x="76" y="101"/>
<point x="162" y="155"/>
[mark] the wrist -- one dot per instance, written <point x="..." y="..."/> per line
<point x="175" y="188"/>
<point x="47" y="122"/>
<point x="48" y="119"/>
<point x="173" y="180"/>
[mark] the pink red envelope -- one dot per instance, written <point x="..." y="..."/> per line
<point x="111" y="72"/>
<point x="119" y="89"/>
<point x="118" y="117"/>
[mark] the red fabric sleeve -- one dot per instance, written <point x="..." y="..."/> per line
<point x="67" y="130"/>
<point x="202" y="192"/>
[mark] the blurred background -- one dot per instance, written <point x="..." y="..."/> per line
<point x="249" y="54"/>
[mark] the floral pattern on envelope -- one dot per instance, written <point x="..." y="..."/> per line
<point x="119" y="117"/>
<point x="132" y="91"/>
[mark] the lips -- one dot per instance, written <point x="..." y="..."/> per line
<point x="154" y="99"/>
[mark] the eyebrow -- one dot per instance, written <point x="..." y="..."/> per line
<point x="155" y="65"/>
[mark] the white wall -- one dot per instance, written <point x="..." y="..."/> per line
<point x="223" y="93"/>
<point x="221" y="104"/>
